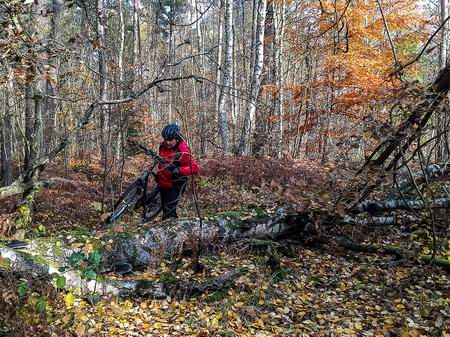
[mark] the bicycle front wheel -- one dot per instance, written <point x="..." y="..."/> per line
<point x="127" y="201"/>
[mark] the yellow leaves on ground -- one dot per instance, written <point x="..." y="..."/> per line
<point x="88" y="248"/>
<point x="358" y="326"/>
<point x="80" y="329"/>
<point x="322" y="295"/>
<point x="69" y="299"/>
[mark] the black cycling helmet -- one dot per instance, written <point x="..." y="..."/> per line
<point x="171" y="131"/>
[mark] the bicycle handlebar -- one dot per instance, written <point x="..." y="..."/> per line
<point x="154" y="155"/>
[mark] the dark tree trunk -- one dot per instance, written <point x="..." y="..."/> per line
<point x="6" y="174"/>
<point x="30" y="153"/>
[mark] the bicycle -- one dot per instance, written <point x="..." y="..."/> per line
<point x="136" y="196"/>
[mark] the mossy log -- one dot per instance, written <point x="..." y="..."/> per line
<point x="444" y="264"/>
<point x="139" y="248"/>
<point x="394" y="251"/>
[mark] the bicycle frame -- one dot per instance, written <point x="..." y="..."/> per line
<point x="136" y="194"/>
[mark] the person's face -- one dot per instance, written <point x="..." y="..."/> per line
<point x="170" y="143"/>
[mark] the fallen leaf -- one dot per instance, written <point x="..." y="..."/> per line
<point x="80" y="329"/>
<point x="69" y="299"/>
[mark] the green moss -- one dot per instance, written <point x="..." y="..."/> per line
<point x="420" y="234"/>
<point x="167" y="277"/>
<point x="80" y="232"/>
<point x="233" y="223"/>
<point x="5" y="263"/>
<point x="44" y="245"/>
<point x="444" y="263"/>
<point x="236" y="213"/>
<point x="215" y="297"/>
<point x="123" y="236"/>
<point x="56" y="247"/>
<point x="260" y="215"/>
<point x="41" y="260"/>
<point x="257" y="214"/>
<point x="168" y="224"/>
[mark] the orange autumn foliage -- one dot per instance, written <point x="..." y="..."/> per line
<point x="353" y="56"/>
<point x="360" y="60"/>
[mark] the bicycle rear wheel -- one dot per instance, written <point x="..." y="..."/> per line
<point x="152" y="205"/>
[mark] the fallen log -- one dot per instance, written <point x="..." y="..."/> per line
<point x="417" y="120"/>
<point x="444" y="264"/>
<point x="174" y="236"/>
<point x="363" y="248"/>
<point x="431" y="172"/>
<point x="372" y="221"/>
<point x="26" y="264"/>
<point x="53" y="257"/>
<point x="396" y="252"/>
<point x="377" y="164"/>
<point x="389" y="205"/>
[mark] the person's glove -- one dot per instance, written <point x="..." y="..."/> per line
<point x="174" y="171"/>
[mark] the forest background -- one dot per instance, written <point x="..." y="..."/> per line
<point x="309" y="79"/>
<point x="281" y="102"/>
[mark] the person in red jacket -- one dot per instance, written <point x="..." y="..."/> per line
<point x="172" y="179"/>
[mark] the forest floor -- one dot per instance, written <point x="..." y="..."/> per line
<point x="322" y="291"/>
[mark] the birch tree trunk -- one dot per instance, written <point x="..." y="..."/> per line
<point x="121" y="134"/>
<point x="102" y="90"/>
<point x="249" y="119"/>
<point x="6" y="174"/>
<point x="135" y="124"/>
<point x="441" y="118"/>
<point x="35" y="91"/>
<point x="52" y="81"/>
<point x="227" y="74"/>
<point x="41" y="84"/>
<point x="219" y="56"/>
<point x="30" y="153"/>
<point x="136" y="44"/>
<point x="444" y="35"/>
<point x="101" y="55"/>
<point x="279" y="14"/>
<point x="199" y="93"/>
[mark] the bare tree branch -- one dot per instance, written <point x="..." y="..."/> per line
<point x="423" y="49"/>
<point x="386" y="27"/>
<point x="29" y="177"/>
<point x="184" y="24"/>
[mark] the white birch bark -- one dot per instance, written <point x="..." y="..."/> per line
<point x="6" y="138"/>
<point x="102" y="72"/>
<point x="249" y="119"/>
<point x="36" y="90"/>
<point x="387" y="205"/>
<point x="40" y="86"/>
<point x="444" y="36"/>
<point x="101" y="53"/>
<point x="122" y="47"/>
<point x="219" y="56"/>
<point x="121" y="136"/>
<point x="102" y="90"/>
<point x="227" y="74"/>
<point x="440" y="119"/>
<point x="279" y="15"/>
<point x="136" y="44"/>
<point x="199" y="65"/>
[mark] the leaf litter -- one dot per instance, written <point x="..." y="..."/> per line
<point x="320" y="294"/>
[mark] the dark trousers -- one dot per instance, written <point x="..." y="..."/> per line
<point x="170" y="198"/>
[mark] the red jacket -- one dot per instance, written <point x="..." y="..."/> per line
<point x="184" y="163"/>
